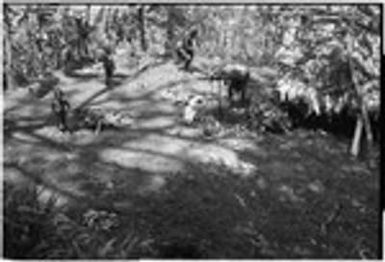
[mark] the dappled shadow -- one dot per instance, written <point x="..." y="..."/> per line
<point x="116" y="83"/>
<point x="95" y="168"/>
<point x="24" y="124"/>
<point x="147" y="95"/>
<point x="10" y="109"/>
<point x="211" y="224"/>
<point x="90" y="202"/>
<point x="91" y="98"/>
<point x="50" y="142"/>
<point x="173" y="83"/>
<point x="196" y="69"/>
<point x="120" y="75"/>
<point x="152" y="65"/>
<point x="82" y="76"/>
<point x="194" y="210"/>
<point x="90" y="154"/>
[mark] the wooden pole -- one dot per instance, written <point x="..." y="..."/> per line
<point x="220" y="112"/>
<point x="356" y="142"/>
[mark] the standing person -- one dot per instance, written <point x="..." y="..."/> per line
<point x="186" y="51"/>
<point x="60" y="107"/>
<point x="108" y="64"/>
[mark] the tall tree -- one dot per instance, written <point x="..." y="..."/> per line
<point x="142" y="27"/>
<point x="8" y="79"/>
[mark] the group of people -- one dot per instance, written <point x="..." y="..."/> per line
<point x="185" y="52"/>
<point x="235" y="77"/>
<point x="60" y="105"/>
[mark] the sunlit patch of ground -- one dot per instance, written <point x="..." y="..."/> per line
<point x="247" y="196"/>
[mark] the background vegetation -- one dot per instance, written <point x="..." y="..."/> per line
<point x="326" y="63"/>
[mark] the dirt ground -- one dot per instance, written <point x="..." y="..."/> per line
<point x="241" y="195"/>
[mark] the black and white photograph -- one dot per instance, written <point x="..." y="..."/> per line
<point x="191" y="130"/>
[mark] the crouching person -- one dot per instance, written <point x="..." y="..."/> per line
<point x="235" y="78"/>
<point x="193" y="107"/>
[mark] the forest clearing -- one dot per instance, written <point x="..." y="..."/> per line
<point x="191" y="131"/>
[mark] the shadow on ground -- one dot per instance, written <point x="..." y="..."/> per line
<point x="304" y="198"/>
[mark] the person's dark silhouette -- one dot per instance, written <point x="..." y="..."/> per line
<point x="60" y="107"/>
<point x="109" y="65"/>
<point x="186" y="51"/>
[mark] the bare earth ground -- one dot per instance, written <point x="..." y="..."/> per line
<point x="238" y="196"/>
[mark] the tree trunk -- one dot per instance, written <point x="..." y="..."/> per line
<point x="142" y="27"/>
<point x="8" y="81"/>
<point x="8" y="70"/>
<point x="170" y="39"/>
<point x="88" y="14"/>
<point x="226" y="45"/>
<point x="107" y="23"/>
<point x="364" y="116"/>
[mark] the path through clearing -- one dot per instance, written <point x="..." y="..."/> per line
<point x="244" y="195"/>
<point x="156" y="142"/>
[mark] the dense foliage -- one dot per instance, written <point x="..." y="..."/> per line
<point x="320" y="50"/>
